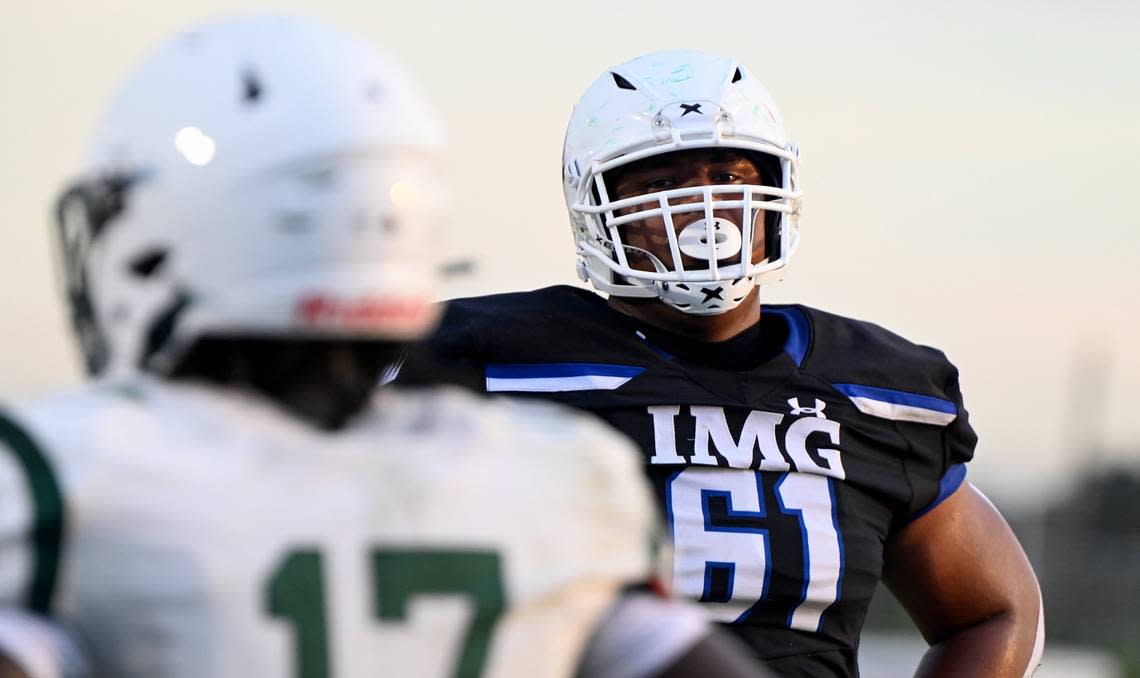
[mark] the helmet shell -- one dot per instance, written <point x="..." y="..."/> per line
<point x="264" y="174"/>
<point x="661" y="103"/>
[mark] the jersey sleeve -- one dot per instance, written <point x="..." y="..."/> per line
<point x="592" y="532"/>
<point x="452" y="355"/>
<point x="595" y="515"/>
<point x="911" y="388"/>
<point x="518" y="327"/>
<point x="937" y="467"/>
<point x="561" y="498"/>
<point x="31" y="520"/>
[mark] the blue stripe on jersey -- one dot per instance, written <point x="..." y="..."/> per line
<point x="664" y="355"/>
<point x="894" y="397"/>
<point x="955" y="476"/>
<point x="558" y="370"/>
<point x="842" y="551"/>
<point x="799" y="332"/>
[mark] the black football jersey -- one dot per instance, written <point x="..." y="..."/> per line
<point x="783" y="458"/>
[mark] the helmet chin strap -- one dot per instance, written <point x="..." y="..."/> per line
<point x="694" y="298"/>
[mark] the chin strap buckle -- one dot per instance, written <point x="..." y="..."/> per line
<point x="583" y="274"/>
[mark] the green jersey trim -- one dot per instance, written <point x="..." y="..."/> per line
<point x="47" y="530"/>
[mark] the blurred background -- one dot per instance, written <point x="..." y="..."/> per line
<point x="969" y="170"/>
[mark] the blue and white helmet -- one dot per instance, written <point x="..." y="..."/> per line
<point x="262" y="175"/>
<point x="665" y="102"/>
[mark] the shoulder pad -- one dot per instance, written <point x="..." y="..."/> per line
<point x="882" y="373"/>
<point x="545" y="303"/>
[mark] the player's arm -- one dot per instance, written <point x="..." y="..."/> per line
<point x="645" y="635"/>
<point x="963" y="577"/>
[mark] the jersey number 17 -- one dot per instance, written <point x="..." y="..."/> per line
<point x="296" y="593"/>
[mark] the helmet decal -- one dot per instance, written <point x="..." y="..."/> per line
<point x="622" y="82"/>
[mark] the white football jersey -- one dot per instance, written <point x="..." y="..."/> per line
<point x="184" y="530"/>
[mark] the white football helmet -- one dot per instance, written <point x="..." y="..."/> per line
<point x="264" y="175"/>
<point x="661" y="103"/>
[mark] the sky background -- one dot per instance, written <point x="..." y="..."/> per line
<point x="970" y="172"/>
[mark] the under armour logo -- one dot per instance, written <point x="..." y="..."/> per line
<point x="817" y="410"/>
<point x="691" y="108"/>
<point x="711" y="294"/>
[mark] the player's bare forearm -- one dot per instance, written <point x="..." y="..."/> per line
<point x="990" y="648"/>
<point x="963" y="577"/>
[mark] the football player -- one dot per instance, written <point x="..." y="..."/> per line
<point x="801" y="457"/>
<point x="248" y="247"/>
